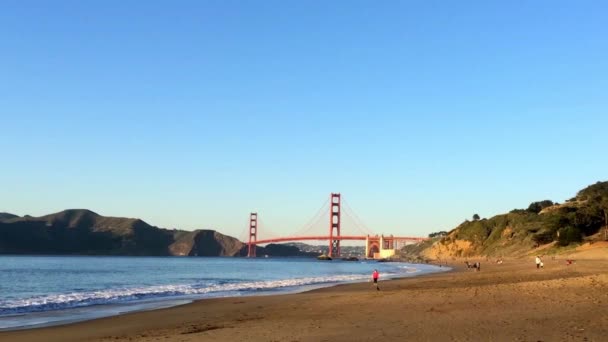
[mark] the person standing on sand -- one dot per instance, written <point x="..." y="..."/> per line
<point x="538" y="262"/>
<point x="375" y="276"/>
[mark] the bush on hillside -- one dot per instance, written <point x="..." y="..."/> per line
<point x="536" y="207"/>
<point x="543" y="236"/>
<point x="568" y="235"/>
<point x="589" y="219"/>
<point x="594" y="193"/>
<point x="438" y="234"/>
<point x="517" y="211"/>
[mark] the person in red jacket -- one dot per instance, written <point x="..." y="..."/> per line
<point x="375" y="276"/>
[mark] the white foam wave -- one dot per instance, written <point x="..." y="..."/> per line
<point x="409" y="269"/>
<point x="118" y="295"/>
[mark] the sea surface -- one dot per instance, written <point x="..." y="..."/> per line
<point x="47" y="290"/>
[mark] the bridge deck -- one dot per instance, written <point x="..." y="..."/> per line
<point x="342" y="237"/>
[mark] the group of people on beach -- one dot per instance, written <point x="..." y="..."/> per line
<point x="476" y="266"/>
<point x="539" y="262"/>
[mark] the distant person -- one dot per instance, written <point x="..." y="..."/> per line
<point x="538" y="262"/>
<point x="375" y="277"/>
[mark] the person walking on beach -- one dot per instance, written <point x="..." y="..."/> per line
<point x="538" y="262"/>
<point x="375" y="276"/>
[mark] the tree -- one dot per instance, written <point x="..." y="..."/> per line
<point x="440" y="233"/>
<point x="536" y="207"/>
<point x="605" y="212"/>
<point x="606" y="224"/>
<point x="604" y="209"/>
<point x="475" y="217"/>
<point x="568" y="235"/>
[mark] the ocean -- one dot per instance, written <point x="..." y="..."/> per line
<point x="47" y="290"/>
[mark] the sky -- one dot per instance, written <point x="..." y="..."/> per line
<point x="192" y="114"/>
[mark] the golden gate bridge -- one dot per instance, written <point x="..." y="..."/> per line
<point x="376" y="246"/>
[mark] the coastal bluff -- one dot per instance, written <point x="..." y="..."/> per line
<point x="84" y="232"/>
<point x="577" y="227"/>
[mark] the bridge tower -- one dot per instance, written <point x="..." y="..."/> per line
<point x="253" y="234"/>
<point x="334" y="226"/>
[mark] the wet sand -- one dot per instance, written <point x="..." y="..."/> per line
<point x="509" y="302"/>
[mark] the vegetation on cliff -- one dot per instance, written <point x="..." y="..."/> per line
<point x="522" y="230"/>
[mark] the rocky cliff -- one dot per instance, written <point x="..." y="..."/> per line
<point x="205" y="243"/>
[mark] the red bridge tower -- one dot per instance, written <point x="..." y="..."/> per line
<point x="253" y="234"/>
<point x="334" y="226"/>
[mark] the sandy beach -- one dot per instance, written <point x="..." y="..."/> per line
<point x="509" y="302"/>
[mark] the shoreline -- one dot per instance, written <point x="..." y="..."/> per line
<point x="512" y="301"/>
<point x="101" y="311"/>
<point x="129" y="308"/>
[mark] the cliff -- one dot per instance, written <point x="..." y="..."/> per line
<point x="205" y="243"/>
<point x="543" y="228"/>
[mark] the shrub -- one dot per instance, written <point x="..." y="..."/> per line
<point x="543" y="237"/>
<point x="568" y="235"/>
<point x="536" y="207"/>
<point x="440" y="233"/>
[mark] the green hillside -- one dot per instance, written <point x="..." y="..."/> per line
<point x="541" y="224"/>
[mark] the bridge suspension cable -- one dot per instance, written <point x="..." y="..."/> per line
<point x="266" y="232"/>
<point x="314" y="220"/>
<point x="356" y="219"/>
<point x="244" y="236"/>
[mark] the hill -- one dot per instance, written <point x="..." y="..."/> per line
<point x="81" y="231"/>
<point x="6" y="216"/>
<point x="544" y="227"/>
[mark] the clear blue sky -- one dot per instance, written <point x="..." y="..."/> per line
<point x="191" y="114"/>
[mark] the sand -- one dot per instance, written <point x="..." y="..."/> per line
<point x="509" y="302"/>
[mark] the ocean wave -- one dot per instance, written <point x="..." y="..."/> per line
<point x="409" y="269"/>
<point x="121" y="295"/>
